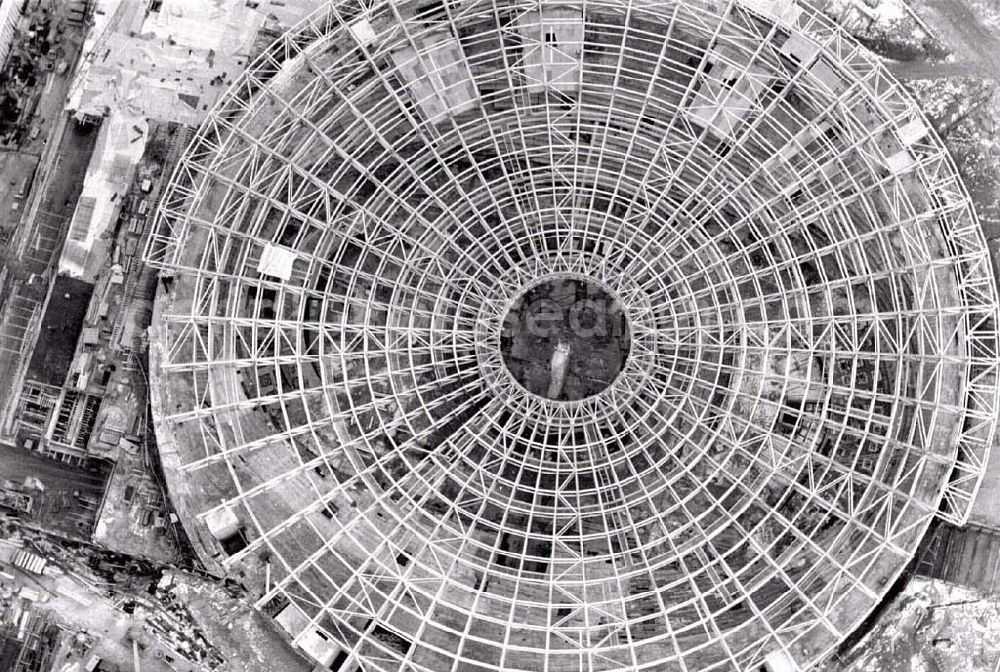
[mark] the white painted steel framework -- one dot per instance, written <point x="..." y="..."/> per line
<point x="812" y="371"/>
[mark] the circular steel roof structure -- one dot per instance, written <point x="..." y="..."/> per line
<point x="769" y="356"/>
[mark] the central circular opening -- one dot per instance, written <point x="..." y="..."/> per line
<point x="565" y="339"/>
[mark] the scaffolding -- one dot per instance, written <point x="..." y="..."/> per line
<point x="810" y="378"/>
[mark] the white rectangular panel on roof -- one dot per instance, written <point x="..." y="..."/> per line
<point x="222" y="523"/>
<point x="319" y="648"/>
<point x="913" y="131"/>
<point x="828" y="76"/>
<point x="720" y="108"/>
<point x="362" y="31"/>
<point x="436" y="75"/>
<point x="276" y="261"/>
<point x="783" y="9"/>
<point x="900" y="162"/>
<point x="292" y="619"/>
<point x="799" y="47"/>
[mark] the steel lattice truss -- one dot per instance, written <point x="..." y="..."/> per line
<point x="811" y="378"/>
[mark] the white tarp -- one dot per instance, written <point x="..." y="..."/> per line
<point x="277" y="262"/>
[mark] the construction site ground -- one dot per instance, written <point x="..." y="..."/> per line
<point x="68" y="503"/>
<point x="931" y="625"/>
<point x="133" y="519"/>
<point x="246" y="638"/>
<point x="103" y="605"/>
<point x="83" y="608"/>
<point x="51" y="85"/>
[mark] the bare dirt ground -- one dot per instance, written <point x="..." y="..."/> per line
<point x="240" y="633"/>
<point x="61" y="505"/>
<point x="80" y="607"/>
